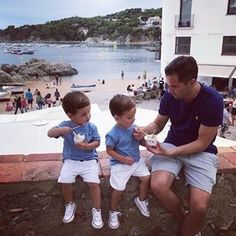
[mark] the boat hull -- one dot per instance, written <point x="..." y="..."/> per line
<point x="83" y="88"/>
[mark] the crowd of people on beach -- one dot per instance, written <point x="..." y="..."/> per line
<point x="26" y="101"/>
<point x="195" y="112"/>
<point x="149" y="89"/>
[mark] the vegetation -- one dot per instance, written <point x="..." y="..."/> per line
<point x="111" y="27"/>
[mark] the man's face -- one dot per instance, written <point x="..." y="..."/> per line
<point x="179" y="90"/>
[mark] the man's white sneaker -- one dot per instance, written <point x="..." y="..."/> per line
<point x="69" y="212"/>
<point x="199" y="234"/>
<point x="97" y="221"/>
<point x="113" y="220"/>
<point x="142" y="206"/>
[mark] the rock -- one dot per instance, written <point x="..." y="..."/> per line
<point x="34" y="70"/>
<point x="5" y="77"/>
<point x="16" y="77"/>
<point x="8" y="68"/>
<point x="59" y="69"/>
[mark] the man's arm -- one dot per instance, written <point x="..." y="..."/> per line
<point x="205" y="137"/>
<point x="156" y="126"/>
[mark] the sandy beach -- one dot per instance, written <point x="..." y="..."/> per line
<point x="100" y="95"/>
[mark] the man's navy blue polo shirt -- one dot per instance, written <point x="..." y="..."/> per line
<point x="186" y="118"/>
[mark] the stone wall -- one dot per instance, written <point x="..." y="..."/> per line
<point x="33" y="205"/>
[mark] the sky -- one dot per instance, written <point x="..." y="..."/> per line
<point x="23" y="12"/>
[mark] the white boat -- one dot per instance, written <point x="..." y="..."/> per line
<point x="4" y="97"/>
<point x="19" y="51"/>
<point x="83" y="87"/>
<point x="13" y="89"/>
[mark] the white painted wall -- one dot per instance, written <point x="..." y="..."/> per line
<point x="210" y="24"/>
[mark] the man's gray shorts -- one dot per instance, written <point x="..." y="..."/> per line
<point x="199" y="169"/>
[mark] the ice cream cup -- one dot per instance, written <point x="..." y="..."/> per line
<point x="151" y="139"/>
<point x="79" y="138"/>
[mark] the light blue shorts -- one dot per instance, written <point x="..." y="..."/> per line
<point x="199" y="169"/>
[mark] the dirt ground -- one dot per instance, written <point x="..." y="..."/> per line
<point x="36" y="209"/>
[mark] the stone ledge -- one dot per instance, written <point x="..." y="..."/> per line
<point x="36" y="167"/>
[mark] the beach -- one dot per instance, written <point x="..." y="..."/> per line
<point x="100" y="95"/>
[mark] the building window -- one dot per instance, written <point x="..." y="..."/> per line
<point x="229" y="45"/>
<point x="185" y="13"/>
<point x="232" y="7"/>
<point x="182" y="45"/>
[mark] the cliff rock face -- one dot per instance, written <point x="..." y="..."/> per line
<point x="34" y="69"/>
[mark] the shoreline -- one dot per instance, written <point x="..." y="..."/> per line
<point x="101" y="95"/>
<point x="102" y="43"/>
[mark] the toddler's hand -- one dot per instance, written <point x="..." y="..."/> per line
<point x="65" y="130"/>
<point x="128" y="161"/>
<point x="82" y="145"/>
<point x="139" y="133"/>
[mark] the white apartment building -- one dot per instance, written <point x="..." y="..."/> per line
<point x="206" y="30"/>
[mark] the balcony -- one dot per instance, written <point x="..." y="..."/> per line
<point x="184" y="21"/>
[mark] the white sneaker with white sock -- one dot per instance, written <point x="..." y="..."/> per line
<point x="113" y="220"/>
<point x="97" y="221"/>
<point x="142" y="206"/>
<point x="69" y="212"/>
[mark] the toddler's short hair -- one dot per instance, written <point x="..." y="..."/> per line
<point x="73" y="101"/>
<point x="120" y="103"/>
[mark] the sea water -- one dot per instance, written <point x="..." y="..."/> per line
<point x="91" y="61"/>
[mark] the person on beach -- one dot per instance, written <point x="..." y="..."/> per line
<point x="195" y="112"/>
<point x="8" y="107"/>
<point x="39" y="101"/>
<point x="81" y="139"/>
<point x="57" y="80"/>
<point x="225" y="124"/>
<point x="125" y="158"/>
<point x="30" y="99"/>
<point x="57" y="95"/>
<point x="18" y="104"/>
<point x="233" y="111"/>
<point x="122" y="74"/>
<point x="24" y="105"/>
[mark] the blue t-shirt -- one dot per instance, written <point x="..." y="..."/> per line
<point x="70" y="151"/>
<point x="123" y="142"/>
<point x="29" y="95"/>
<point x="206" y="109"/>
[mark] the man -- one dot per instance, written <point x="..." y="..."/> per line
<point x="195" y="112"/>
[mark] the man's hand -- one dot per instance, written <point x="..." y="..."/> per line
<point x="158" y="150"/>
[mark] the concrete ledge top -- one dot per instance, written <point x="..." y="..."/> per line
<point x="36" y="167"/>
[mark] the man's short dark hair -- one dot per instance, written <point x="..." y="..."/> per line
<point x="185" y="67"/>
<point x="120" y="103"/>
<point x="74" y="101"/>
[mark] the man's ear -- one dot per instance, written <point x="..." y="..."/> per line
<point x="193" y="81"/>
<point x="116" y="117"/>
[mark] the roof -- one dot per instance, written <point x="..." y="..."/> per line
<point x="223" y="71"/>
